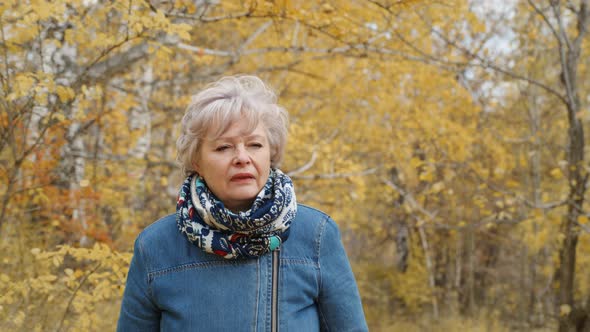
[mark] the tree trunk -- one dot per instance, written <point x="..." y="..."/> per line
<point x="570" y="50"/>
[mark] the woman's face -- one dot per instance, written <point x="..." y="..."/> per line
<point x="236" y="165"/>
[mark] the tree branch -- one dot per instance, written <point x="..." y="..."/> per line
<point x="484" y="63"/>
<point x="63" y="318"/>
<point x="305" y="167"/>
<point x="336" y="175"/>
<point x="544" y="17"/>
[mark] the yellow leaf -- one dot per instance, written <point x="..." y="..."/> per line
<point x="564" y="310"/>
<point x="24" y="84"/>
<point x="416" y="162"/>
<point x="183" y="31"/>
<point x="437" y="187"/>
<point x="48" y="277"/>
<point x="582" y="219"/>
<point x="69" y="37"/>
<point x="19" y="318"/>
<point x="40" y="198"/>
<point x="499" y="171"/>
<point x="56" y="261"/>
<point x="58" y="117"/>
<point x="65" y="93"/>
<point x="165" y="50"/>
<point x="43" y="9"/>
<point x="556" y="173"/>
<point x="407" y="208"/>
<point x="512" y="184"/>
<point x="426" y="176"/>
<point x="327" y="8"/>
<point x="560" y="237"/>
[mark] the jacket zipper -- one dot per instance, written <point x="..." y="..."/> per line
<point x="274" y="319"/>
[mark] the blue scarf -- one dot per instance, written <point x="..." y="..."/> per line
<point x="206" y="222"/>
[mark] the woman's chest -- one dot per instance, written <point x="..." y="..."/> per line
<point x="238" y="295"/>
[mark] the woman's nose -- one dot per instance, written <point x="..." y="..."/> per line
<point x="242" y="156"/>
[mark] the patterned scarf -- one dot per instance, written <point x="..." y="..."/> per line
<point x="206" y="222"/>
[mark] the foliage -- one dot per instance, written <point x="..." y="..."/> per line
<point x="63" y="289"/>
<point x="427" y="144"/>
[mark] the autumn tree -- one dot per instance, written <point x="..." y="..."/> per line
<point x="540" y="75"/>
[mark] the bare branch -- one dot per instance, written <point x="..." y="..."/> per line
<point x="544" y="17"/>
<point x="586" y="228"/>
<point x="290" y="67"/>
<point x="509" y="193"/>
<point x="336" y="175"/>
<point x="202" y="50"/>
<point x="562" y="36"/>
<point x="255" y="35"/>
<point x="583" y="23"/>
<point x="305" y="167"/>
<point x="484" y="63"/>
<point x="410" y="199"/>
<point x="211" y="19"/>
<point x="63" y="318"/>
<point x="116" y="62"/>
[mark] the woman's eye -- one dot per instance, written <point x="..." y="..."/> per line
<point x="256" y="145"/>
<point x="222" y="148"/>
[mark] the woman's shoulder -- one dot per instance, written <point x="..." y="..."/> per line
<point x="308" y="232"/>
<point x="312" y="220"/>
<point x="311" y="213"/>
<point x="159" y="229"/>
<point x="164" y="246"/>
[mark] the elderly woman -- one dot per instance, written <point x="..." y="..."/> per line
<point x="240" y="254"/>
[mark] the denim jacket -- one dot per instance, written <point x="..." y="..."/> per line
<point x="173" y="285"/>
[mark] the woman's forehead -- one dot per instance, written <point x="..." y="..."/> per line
<point x="237" y="129"/>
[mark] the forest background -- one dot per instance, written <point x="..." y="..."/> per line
<point x="446" y="138"/>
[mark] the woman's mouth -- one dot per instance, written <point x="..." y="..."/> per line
<point x="242" y="177"/>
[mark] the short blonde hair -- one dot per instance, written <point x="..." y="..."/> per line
<point x="222" y="103"/>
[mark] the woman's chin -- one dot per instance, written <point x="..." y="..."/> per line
<point x="241" y="200"/>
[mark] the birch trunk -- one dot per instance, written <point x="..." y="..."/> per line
<point x="569" y="53"/>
